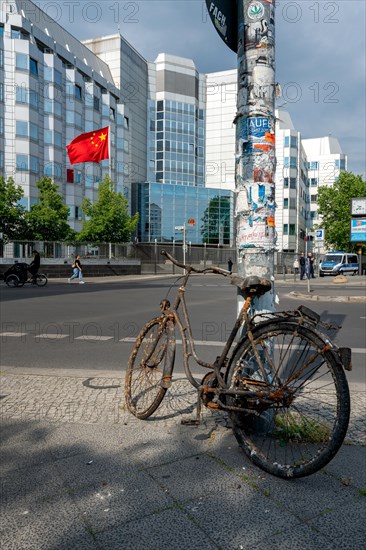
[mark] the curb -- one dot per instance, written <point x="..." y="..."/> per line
<point x="319" y="298"/>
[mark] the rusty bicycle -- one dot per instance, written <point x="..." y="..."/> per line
<point x="279" y="377"/>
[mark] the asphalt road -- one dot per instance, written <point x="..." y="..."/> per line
<point x="92" y="326"/>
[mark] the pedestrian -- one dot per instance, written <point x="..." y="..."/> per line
<point x="34" y="265"/>
<point x="230" y="265"/>
<point x="302" y="263"/>
<point x="296" y="266"/>
<point x="77" y="272"/>
<point x="311" y="265"/>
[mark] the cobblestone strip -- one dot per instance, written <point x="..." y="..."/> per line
<point x="101" y="400"/>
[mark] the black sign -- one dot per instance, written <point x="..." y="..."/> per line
<point x="224" y="16"/>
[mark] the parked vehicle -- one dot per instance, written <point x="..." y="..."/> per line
<point x="339" y="263"/>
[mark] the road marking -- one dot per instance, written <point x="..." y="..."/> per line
<point x="51" y="336"/>
<point x="94" y="337"/>
<point x="16" y="334"/>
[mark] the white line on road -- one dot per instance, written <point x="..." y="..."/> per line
<point x="95" y="337"/>
<point x="16" y="334"/>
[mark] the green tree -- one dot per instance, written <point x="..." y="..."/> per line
<point x="107" y="220"/>
<point x="12" y="215"/>
<point x="334" y="206"/>
<point x="48" y="218"/>
<point x="216" y="221"/>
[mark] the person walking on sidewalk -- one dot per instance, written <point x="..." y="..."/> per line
<point x="77" y="271"/>
<point x="302" y="263"/>
<point x="311" y="265"/>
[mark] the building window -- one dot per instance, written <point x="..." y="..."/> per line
<point x="292" y="183"/>
<point x="313" y="198"/>
<point x="292" y="229"/>
<point x="57" y="77"/>
<point x="21" y="162"/>
<point x="285" y="203"/>
<point x="285" y="228"/>
<point x="285" y="182"/>
<point x="292" y="203"/>
<point x="341" y="164"/>
<point x="96" y="103"/>
<point x="33" y="66"/>
<point x="77" y="92"/>
<point x="33" y="131"/>
<point x="126" y="122"/>
<point x="314" y="182"/>
<point x="314" y="165"/>
<point x="314" y="215"/>
<point x="33" y="164"/>
<point x="21" y="62"/>
<point x="21" y="128"/>
<point x="70" y="176"/>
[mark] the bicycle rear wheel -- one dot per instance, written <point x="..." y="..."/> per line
<point x="151" y="359"/>
<point x="13" y="280"/>
<point x="41" y="279"/>
<point x="302" y="426"/>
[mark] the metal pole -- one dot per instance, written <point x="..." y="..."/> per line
<point x="255" y="145"/>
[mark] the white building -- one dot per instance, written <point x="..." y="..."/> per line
<point x="53" y="88"/>
<point x="302" y="164"/>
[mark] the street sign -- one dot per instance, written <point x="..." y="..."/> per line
<point x="319" y="234"/>
<point x="358" y="230"/>
<point x="179" y="227"/>
<point x="224" y="16"/>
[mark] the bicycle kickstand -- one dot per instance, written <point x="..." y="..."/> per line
<point x="195" y="421"/>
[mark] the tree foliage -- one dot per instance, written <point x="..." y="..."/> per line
<point x="47" y="219"/>
<point x="334" y="206"/>
<point x="107" y="220"/>
<point x="12" y="214"/>
<point x="215" y="228"/>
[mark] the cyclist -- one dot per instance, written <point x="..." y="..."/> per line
<point x="34" y="265"/>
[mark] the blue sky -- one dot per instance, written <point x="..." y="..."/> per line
<point x="320" y="53"/>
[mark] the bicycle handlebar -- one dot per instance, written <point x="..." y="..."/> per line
<point x="190" y="268"/>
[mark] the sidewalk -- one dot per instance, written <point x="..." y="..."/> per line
<point x="79" y="472"/>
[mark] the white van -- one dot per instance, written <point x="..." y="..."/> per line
<point x="339" y="263"/>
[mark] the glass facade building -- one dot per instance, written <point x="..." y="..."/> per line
<point x="178" y="131"/>
<point x="206" y="213"/>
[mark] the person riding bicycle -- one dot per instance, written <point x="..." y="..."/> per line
<point x="34" y="265"/>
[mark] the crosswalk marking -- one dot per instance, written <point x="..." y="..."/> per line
<point x="15" y="334"/>
<point x="51" y="336"/>
<point x="94" y="337"/>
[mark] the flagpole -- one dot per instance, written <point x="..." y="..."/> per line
<point x="109" y="151"/>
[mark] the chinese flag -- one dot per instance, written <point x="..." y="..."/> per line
<point x="89" y="147"/>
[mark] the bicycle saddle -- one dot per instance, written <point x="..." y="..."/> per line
<point x="252" y="285"/>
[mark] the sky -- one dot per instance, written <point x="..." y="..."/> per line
<point x="320" y="53"/>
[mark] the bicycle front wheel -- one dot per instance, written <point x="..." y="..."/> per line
<point x="301" y="423"/>
<point x="41" y="279"/>
<point x="151" y="359"/>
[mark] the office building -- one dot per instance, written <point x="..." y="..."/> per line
<point x="53" y="88"/>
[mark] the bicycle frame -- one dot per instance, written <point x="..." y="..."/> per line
<point x="170" y="314"/>
<point x="188" y="343"/>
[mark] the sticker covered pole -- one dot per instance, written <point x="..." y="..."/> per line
<point x="255" y="143"/>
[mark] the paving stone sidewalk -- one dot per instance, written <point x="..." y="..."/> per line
<point x="79" y="472"/>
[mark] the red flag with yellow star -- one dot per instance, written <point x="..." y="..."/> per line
<point x="89" y="147"/>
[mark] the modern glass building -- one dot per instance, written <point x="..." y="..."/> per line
<point x="164" y="210"/>
<point x="176" y="135"/>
